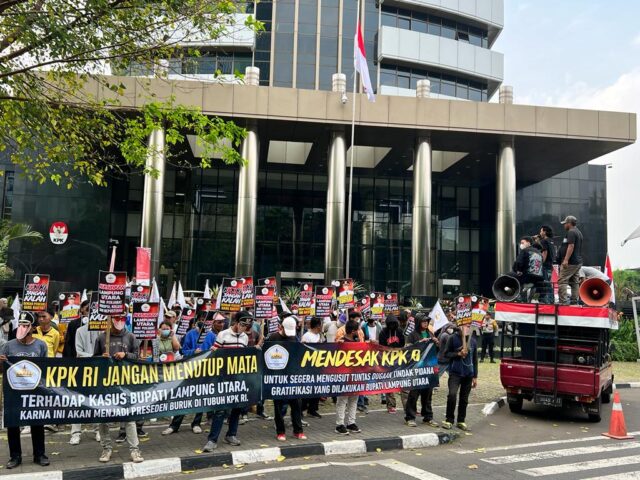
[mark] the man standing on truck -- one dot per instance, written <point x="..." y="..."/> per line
<point x="570" y="260"/>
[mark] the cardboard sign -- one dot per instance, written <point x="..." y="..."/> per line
<point x="34" y="295"/>
<point x="265" y="302"/>
<point x="143" y="265"/>
<point x="346" y="298"/>
<point x="479" y="309"/>
<point x="111" y="292"/>
<point x="464" y="305"/>
<point x="391" y="304"/>
<point x="97" y="321"/>
<point x="273" y="324"/>
<point x="188" y="314"/>
<point x="69" y="306"/>
<point x="140" y="293"/>
<point x="247" y="292"/>
<point x="307" y="300"/>
<point x="231" y="295"/>
<point x="364" y="306"/>
<point x="324" y="300"/>
<point x="377" y="305"/>
<point x="269" y="282"/>
<point x="144" y="320"/>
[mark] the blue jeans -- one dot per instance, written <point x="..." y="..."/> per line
<point x="218" y="421"/>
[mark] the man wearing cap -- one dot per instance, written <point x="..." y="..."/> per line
<point x="25" y="345"/>
<point x="570" y="260"/>
<point x="287" y="333"/>
<point x="233" y="337"/>
<point x="122" y="344"/>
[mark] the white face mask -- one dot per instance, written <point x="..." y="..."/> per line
<point x="523" y="246"/>
<point x="22" y="331"/>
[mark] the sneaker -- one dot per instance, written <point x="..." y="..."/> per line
<point x="51" y="428"/>
<point x="26" y="430"/>
<point x="75" y="439"/>
<point x="243" y="419"/>
<point x="314" y="414"/>
<point x="342" y="430"/>
<point x="122" y="436"/>
<point x="300" y="436"/>
<point x="142" y="433"/>
<point x="264" y="416"/>
<point x="431" y="423"/>
<point x="462" y="426"/>
<point x="98" y="436"/>
<point x="169" y="431"/>
<point x="391" y="410"/>
<point x="196" y="429"/>
<point x="136" y="457"/>
<point x="305" y="423"/>
<point x="410" y="423"/>
<point x="232" y="440"/>
<point x="106" y="455"/>
<point x="281" y="437"/>
<point x="209" y="446"/>
<point x="353" y="428"/>
<point x="446" y="425"/>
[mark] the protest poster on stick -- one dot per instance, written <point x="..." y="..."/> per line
<point x="187" y="316"/>
<point x="97" y="321"/>
<point x="231" y="295"/>
<point x="140" y="293"/>
<point x="34" y="294"/>
<point x="111" y="292"/>
<point x="69" y="306"/>
<point x="364" y="306"/>
<point x="306" y="300"/>
<point x="377" y="305"/>
<point x="270" y="282"/>
<point x="464" y="305"/>
<point x="264" y="297"/>
<point x="324" y="300"/>
<point x="346" y="297"/>
<point x="391" y="304"/>
<point x="247" y="292"/>
<point x="479" y="309"/>
<point x="144" y="320"/>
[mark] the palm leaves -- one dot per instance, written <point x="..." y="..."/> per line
<point x="13" y="231"/>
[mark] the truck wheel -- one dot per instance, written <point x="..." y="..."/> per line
<point x="606" y="396"/>
<point x="595" y="416"/>
<point x="515" y="404"/>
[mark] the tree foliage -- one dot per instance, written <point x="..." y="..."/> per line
<point x="13" y="231"/>
<point x="627" y="283"/>
<point x="54" y="129"/>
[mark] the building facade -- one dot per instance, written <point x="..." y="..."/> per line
<point x="441" y="185"/>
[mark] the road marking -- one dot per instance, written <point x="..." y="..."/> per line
<point x="161" y="466"/>
<point x="567" y="452"/>
<point x="581" y="466"/>
<point x="388" y="463"/>
<point x="539" y="444"/>
<point x="344" y="447"/>
<point x="618" y="476"/>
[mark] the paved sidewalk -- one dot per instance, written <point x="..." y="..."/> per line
<point x="255" y="434"/>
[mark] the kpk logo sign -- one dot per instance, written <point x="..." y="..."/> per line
<point x="58" y="233"/>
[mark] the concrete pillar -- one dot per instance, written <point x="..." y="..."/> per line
<point x="247" y="204"/>
<point x="153" y="199"/>
<point x="421" y="219"/>
<point x="505" y="207"/>
<point x="334" y="233"/>
<point x="423" y="88"/>
<point x="506" y="94"/>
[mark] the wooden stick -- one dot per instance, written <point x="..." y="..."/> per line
<point x="107" y="335"/>
<point x="145" y="346"/>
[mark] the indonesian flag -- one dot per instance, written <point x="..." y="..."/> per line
<point x="360" y="63"/>
<point x="609" y="272"/>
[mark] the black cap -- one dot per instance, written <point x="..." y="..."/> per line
<point x="243" y="317"/>
<point x="27" y="316"/>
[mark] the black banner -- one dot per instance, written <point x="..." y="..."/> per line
<point x="144" y="320"/>
<point x="97" y="321"/>
<point x="111" y="292"/>
<point x="41" y="391"/>
<point x="34" y="295"/>
<point x="298" y="370"/>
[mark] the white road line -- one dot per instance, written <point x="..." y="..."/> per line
<point x="161" y="466"/>
<point x="54" y="475"/>
<point x="539" y="444"/>
<point x="410" y="471"/>
<point x="567" y="452"/>
<point x="582" y="466"/>
<point x="618" y="476"/>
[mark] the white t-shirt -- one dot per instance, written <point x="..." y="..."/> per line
<point x="373" y="332"/>
<point x="311" y="337"/>
<point x="330" y="329"/>
<point x="590" y="272"/>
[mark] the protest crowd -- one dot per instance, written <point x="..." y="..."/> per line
<point x="190" y="326"/>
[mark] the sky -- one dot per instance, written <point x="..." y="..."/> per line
<point x="583" y="54"/>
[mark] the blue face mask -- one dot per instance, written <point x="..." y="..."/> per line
<point x="165" y="333"/>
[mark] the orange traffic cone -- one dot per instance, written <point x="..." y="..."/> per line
<point x="617" y="427"/>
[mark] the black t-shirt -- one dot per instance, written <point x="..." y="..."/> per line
<point x="574" y="237"/>
<point x="547" y="246"/>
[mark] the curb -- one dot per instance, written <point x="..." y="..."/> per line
<point x="196" y="462"/>
<point x="492" y="407"/>
<point x="619" y="386"/>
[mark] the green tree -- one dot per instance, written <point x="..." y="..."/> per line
<point x="627" y="283"/>
<point x="51" y="49"/>
<point x="13" y="231"/>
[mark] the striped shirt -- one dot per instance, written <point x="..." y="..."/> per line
<point x="229" y="339"/>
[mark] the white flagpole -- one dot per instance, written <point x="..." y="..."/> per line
<point x="353" y="133"/>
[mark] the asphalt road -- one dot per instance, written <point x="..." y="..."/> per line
<point x="541" y="442"/>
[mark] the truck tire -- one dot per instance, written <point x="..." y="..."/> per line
<point x="596" y="417"/>
<point x="515" y="404"/>
<point x="606" y="396"/>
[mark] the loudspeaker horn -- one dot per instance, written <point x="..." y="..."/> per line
<point x="506" y="288"/>
<point x="595" y="292"/>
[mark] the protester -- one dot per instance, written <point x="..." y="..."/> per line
<point x="122" y="344"/>
<point x="353" y="316"/>
<point x="371" y="329"/>
<point x="346" y="405"/>
<point x="445" y="332"/>
<point x="330" y="327"/>
<point x="528" y="265"/>
<point x="585" y="273"/>
<point x="6" y="319"/>
<point x="570" y="260"/>
<point x="312" y="336"/>
<point x="25" y="345"/>
<point x="391" y="336"/>
<point x="166" y="341"/>
<point x="489" y="328"/>
<point x="47" y="333"/>
<point x="545" y="241"/>
<point x="287" y="333"/>
<point x="463" y="375"/>
<point x="420" y="334"/>
<point x="232" y="337"/>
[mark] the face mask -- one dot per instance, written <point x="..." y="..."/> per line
<point x="165" y="333"/>
<point x="22" y="331"/>
<point x="449" y="331"/>
<point x="118" y="325"/>
<point x="523" y="246"/>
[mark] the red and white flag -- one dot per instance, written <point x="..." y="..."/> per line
<point x="609" y="272"/>
<point x="360" y="63"/>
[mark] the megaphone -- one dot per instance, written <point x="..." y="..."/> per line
<point x="506" y="288"/>
<point x="595" y="292"/>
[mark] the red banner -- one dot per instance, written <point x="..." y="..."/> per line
<point x="143" y="265"/>
<point x="34" y="295"/>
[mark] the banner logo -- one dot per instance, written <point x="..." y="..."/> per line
<point x="24" y="375"/>
<point x="276" y="357"/>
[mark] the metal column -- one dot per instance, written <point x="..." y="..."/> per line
<point x="505" y="207"/>
<point x="421" y="219"/>
<point x="334" y="234"/>
<point x="247" y="204"/>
